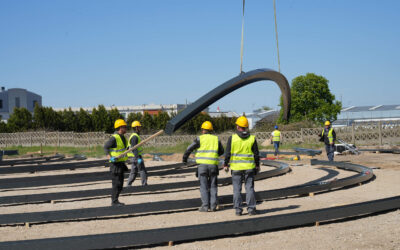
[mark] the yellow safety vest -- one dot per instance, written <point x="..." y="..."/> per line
<point x="330" y="135"/>
<point x="115" y="152"/>
<point x="139" y="149"/>
<point x="276" y="136"/>
<point x="207" y="153"/>
<point x="242" y="158"/>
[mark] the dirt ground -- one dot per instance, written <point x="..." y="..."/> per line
<point x="374" y="232"/>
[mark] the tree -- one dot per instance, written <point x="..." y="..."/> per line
<point x="100" y="119"/>
<point x="69" y="120"/>
<point x="84" y="121"/>
<point x="20" y="120"/>
<point x="312" y="100"/>
<point x="134" y="117"/>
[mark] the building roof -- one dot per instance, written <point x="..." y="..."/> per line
<point x="371" y="108"/>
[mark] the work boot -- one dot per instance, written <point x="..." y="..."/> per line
<point x="238" y="213"/>
<point x="117" y="204"/>
<point x="203" y="209"/>
<point x="252" y="212"/>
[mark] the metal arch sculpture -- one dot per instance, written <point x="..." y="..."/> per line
<point x="228" y="87"/>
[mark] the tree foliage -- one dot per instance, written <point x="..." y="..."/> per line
<point x="45" y="118"/>
<point x="20" y="120"/>
<point x="312" y="100"/>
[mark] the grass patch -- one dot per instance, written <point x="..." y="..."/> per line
<point x="95" y="152"/>
<point x="178" y="148"/>
<point x="290" y="146"/>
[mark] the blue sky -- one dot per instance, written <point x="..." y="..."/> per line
<point x="85" y="53"/>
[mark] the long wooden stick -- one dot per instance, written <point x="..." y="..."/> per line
<point x="141" y="143"/>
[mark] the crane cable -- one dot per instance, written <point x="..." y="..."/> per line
<point x="241" y="45"/>
<point x="276" y="34"/>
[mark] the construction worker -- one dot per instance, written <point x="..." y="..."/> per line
<point x="328" y="136"/>
<point x="114" y="147"/>
<point x="243" y="158"/>
<point x="209" y="148"/>
<point x="276" y="139"/>
<point x="136" y="156"/>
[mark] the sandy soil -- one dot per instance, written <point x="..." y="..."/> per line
<point x="375" y="232"/>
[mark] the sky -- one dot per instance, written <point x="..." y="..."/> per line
<point x="82" y="53"/>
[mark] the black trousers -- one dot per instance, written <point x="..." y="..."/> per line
<point x="117" y="177"/>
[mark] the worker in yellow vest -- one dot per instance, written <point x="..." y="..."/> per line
<point x="209" y="148"/>
<point x="136" y="156"/>
<point x="113" y="148"/>
<point x="328" y="136"/>
<point x="243" y="158"/>
<point x="276" y="139"/>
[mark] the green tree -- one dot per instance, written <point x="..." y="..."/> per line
<point x="69" y="120"/>
<point x="39" y="120"/>
<point x="100" y="119"/>
<point x="312" y="100"/>
<point x="160" y="120"/>
<point x="20" y="120"/>
<point x="134" y="117"/>
<point x="84" y="121"/>
<point x="147" y="123"/>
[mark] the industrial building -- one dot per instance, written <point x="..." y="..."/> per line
<point x="17" y="98"/>
<point x="354" y="114"/>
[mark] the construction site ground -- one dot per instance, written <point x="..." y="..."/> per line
<point x="373" y="232"/>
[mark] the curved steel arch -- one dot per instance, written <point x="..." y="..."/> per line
<point x="228" y="87"/>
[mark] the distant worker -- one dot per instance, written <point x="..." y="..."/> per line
<point x="328" y="136"/>
<point x="136" y="156"/>
<point x="114" y="147"/>
<point x="276" y="139"/>
<point x="243" y="158"/>
<point x="209" y="148"/>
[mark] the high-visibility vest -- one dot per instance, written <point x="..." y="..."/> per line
<point x="139" y="149"/>
<point x="242" y="158"/>
<point x="276" y="135"/>
<point x="115" y="152"/>
<point x="330" y="134"/>
<point x="207" y="153"/>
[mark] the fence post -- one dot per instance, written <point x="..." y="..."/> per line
<point x="302" y="135"/>
<point x="88" y="140"/>
<point x="353" y="137"/>
<point x="31" y="139"/>
<point x="380" y="132"/>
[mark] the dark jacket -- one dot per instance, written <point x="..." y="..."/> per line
<point x="325" y="138"/>
<point x="254" y="148"/>
<point x="196" y="145"/>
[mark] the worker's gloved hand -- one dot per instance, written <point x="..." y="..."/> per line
<point x="139" y="160"/>
<point x="226" y="168"/>
<point x="113" y="159"/>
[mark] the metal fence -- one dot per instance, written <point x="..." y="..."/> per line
<point x="377" y="133"/>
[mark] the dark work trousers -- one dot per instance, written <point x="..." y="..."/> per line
<point x="276" y="146"/>
<point x="117" y="177"/>
<point x="134" y="172"/>
<point x="208" y="177"/>
<point x="330" y="149"/>
<point x="238" y="176"/>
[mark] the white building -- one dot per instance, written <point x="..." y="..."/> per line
<point x="17" y="98"/>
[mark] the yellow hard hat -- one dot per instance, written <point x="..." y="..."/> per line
<point x="207" y="125"/>
<point x="242" y="122"/>
<point x="327" y="123"/>
<point x="136" y="124"/>
<point x="118" y="123"/>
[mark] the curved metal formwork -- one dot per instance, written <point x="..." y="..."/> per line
<point x="221" y="229"/>
<point x="228" y="87"/>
